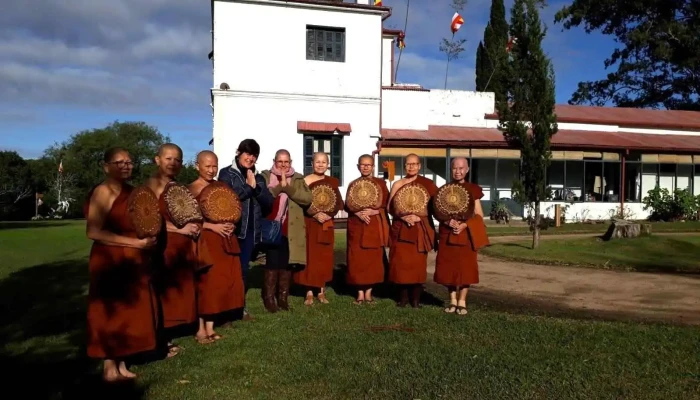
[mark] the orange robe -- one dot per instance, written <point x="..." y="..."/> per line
<point x="320" y="241"/>
<point x="121" y="313"/>
<point x="410" y="245"/>
<point x="175" y="283"/>
<point x="366" y="243"/>
<point x="456" y="263"/>
<point x="220" y="287"/>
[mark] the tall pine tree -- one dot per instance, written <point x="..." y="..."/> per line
<point x="530" y="92"/>
<point x="491" y="56"/>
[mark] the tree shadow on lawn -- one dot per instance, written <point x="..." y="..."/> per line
<point x="32" y="224"/>
<point x="44" y="318"/>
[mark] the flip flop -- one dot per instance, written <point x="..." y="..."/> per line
<point x="462" y="311"/>
<point x="215" y="337"/>
<point x="358" y="302"/>
<point x="451" y="309"/>
<point x="204" y="340"/>
<point x="173" y="350"/>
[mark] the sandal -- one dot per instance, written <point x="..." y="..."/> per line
<point x="451" y="309"/>
<point x="358" y="302"/>
<point x="173" y="350"/>
<point x="322" y="298"/>
<point x="461" y="310"/>
<point x="215" y="337"/>
<point x="204" y="339"/>
<point x="371" y="301"/>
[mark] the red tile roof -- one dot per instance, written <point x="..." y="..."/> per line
<point x="337" y="4"/>
<point x="627" y="117"/>
<point x="491" y="137"/>
<point x="323" y="127"/>
<point x="392" y="32"/>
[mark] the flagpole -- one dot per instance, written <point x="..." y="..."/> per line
<point x="447" y="68"/>
<point x="398" y="61"/>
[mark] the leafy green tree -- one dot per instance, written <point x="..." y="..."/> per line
<point x="491" y="55"/>
<point x="16" y="186"/>
<point x="658" y="58"/>
<point x="531" y="97"/>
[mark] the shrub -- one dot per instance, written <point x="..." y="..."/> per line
<point x="682" y="205"/>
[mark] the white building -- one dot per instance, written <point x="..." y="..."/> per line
<point x="310" y="75"/>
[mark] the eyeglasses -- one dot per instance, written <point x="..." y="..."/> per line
<point x="366" y="165"/>
<point x="412" y="164"/>
<point x="122" y="164"/>
<point x="283" y="162"/>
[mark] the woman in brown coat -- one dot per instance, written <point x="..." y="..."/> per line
<point x="320" y="238"/>
<point x="120" y="316"/>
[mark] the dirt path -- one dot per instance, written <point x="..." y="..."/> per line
<point x="585" y="291"/>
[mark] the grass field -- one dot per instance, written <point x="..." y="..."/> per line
<point x="651" y="254"/>
<point x="659" y="227"/>
<point x="336" y="351"/>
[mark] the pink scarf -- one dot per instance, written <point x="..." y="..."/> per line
<point x="275" y="176"/>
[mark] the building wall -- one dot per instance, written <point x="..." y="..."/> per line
<point x="261" y="47"/>
<point x="239" y="116"/>
<point x="411" y="109"/>
<point x="580" y="212"/>
<point x="387" y="57"/>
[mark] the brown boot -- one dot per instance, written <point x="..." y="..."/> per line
<point x="403" y="298"/>
<point x="269" y="289"/>
<point x="415" y="296"/>
<point x="285" y="278"/>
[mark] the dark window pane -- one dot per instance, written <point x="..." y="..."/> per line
<point x="310" y="34"/>
<point x="319" y="36"/>
<point x="329" y="36"/>
<point x="338" y="37"/>
<point x="611" y="181"/>
<point x="574" y="180"/>
<point x="650" y="175"/>
<point x="594" y="181"/>
<point x="633" y="182"/>
<point x="667" y="177"/>
<point x="555" y="180"/>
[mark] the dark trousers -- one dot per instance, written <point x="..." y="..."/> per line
<point x="247" y="246"/>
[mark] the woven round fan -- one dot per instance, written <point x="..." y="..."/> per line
<point x="323" y="199"/>
<point x="220" y="204"/>
<point x="364" y="193"/>
<point x="182" y="207"/>
<point x="453" y="201"/>
<point x="142" y="207"/>
<point x="413" y="199"/>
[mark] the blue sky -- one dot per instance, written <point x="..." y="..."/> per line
<point x="82" y="64"/>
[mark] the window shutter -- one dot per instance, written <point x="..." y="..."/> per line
<point x="337" y="158"/>
<point x="308" y="154"/>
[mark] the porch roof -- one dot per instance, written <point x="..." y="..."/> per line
<point x="438" y="135"/>
<point x="324" y="127"/>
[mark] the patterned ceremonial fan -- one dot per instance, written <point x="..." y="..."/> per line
<point x="364" y="193"/>
<point x="453" y="201"/>
<point x="413" y="199"/>
<point x="142" y="207"/>
<point x="323" y="200"/>
<point x="220" y="204"/>
<point x="182" y="207"/>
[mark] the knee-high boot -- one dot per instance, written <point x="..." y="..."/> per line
<point x="285" y="278"/>
<point x="269" y="289"/>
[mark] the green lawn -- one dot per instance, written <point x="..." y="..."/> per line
<point x="653" y="254"/>
<point x="504" y="230"/>
<point x="335" y="351"/>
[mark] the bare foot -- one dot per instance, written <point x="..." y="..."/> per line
<point x="322" y="298"/>
<point x="204" y="339"/>
<point x="309" y="300"/>
<point x="112" y="376"/>
<point x="125" y="371"/>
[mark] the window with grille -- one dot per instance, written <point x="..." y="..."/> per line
<point x="331" y="145"/>
<point x="325" y="43"/>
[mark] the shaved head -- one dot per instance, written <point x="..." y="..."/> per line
<point x="204" y="154"/>
<point x="412" y="158"/>
<point x="365" y="156"/>
<point x="459" y="161"/>
<point x="282" y="151"/>
<point x="321" y="154"/>
<point x="169" y="146"/>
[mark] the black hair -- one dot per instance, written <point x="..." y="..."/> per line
<point x="249" y="146"/>
<point x="111" y="152"/>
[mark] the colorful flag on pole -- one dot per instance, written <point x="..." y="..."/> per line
<point x="401" y="43"/>
<point x="60" y="167"/>
<point x="378" y="3"/>
<point x="457" y="22"/>
<point x="510" y="44"/>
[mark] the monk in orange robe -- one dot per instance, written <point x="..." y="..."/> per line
<point x="120" y="317"/>
<point x="456" y="266"/>
<point x="412" y="238"/>
<point x="368" y="235"/>
<point x="219" y="287"/>
<point x="320" y="235"/>
<point x="175" y="273"/>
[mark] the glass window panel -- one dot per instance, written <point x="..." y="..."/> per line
<point x="696" y="181"/>
<point x="574" y="181"/>
<point x="484" y="175"/>
<point x="507" y="172"/>
<point x="436" y="169"/>
<point x="555" y="179"/>
<point x="667" y="177"/>
<point x="685" y="176"/>
<point x="650" y="174"/>
<point x="319" y="36"/>
<point x="594" y="181"/>
<point x="611" y="188"/>
<point x="329" y="36"/>
<point x="398" y="166"/>
<point x="633" y="182"/>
